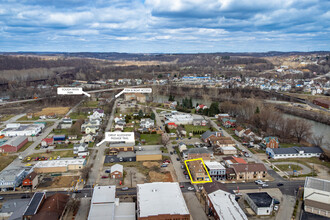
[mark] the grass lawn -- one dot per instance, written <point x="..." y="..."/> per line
<point x="285" y="145"/>
<point x="6" y="117"/>
<point x="64" y="146"/>
<point x="64" y="153"/>
<point x="191" y="128"/>
<point x="304" y="161"/>
<point x="5" y="161"/>
<point x="76" y="115"/>
<point x="173" y="131"/>
<point x="128" y="129"/>
<point x="190" y="146"/>
<point x="164" y="149"/>
<point x="28" y="144"/>
<point x="91" y="104"/>
<point x="288" y="167"/>
<point x="151" y="139"/>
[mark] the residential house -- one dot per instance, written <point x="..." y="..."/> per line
<point x="116" y="171"/>
<point x="294" y="152"/>
<point x="13" y="144"/>
<point x="197" y="171"/>
<point x="233" y="160"/>
<point x="230" y="174"/>
<point x="161" y="200"/>
<point x="209" y="134"/>
<point x="201" y="107"/>
<point x="195" y="153"/>
<point x="223" y="205"/>
<point x="81" y="149"/>
<point x="216" y="170"/>
<point x="317" y="196"/>
<point x="72" y="137"/>
<point x="199" y="122"/>
<point x="11" y="178"/>
<point x="239" y="131"/>
<point x="270" y="142"/>
<point x="139" y="97"/>
<point x="47" y="142"/>
<point x="171" y="125"/>
<point x="227" y="150"/>
<point x="87" y="139"/>
<point x="250" y="171"/>
<point x="228" y="123"/>
<point x="261" y="203"/>
<point x="221" y="116"/>
<point x="31" y="180"/>
<point x="98" y="113"/>
<point x="147" y="123"/>
<point x="182" y="147"/>
<point x="66" y="123"/>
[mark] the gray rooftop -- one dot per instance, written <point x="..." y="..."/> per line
<point x="15" y="141"/>
<point x="262" y="199"/>
<point x="15" y="206"/>
<point x="34" y="204"/>
<point x="316" y="183"/>
<point x="10" y="175"/>
<point x="148" y="152"/>
<point x="198" y="151"/>
<point x="295" y="150"/>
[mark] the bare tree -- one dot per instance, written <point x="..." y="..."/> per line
<point x="317" y="140"/>
<point x="301" y="129"/>
<point x="165" y="139"/>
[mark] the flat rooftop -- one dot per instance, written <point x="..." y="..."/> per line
<point x="59" y="163"/>
<point x="262" y="199"/>
<point x="160" y="198"/>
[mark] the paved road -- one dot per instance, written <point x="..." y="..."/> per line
<point x="97" y="155"/>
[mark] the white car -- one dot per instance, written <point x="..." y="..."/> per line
<point x="264" y="185"/>
<point x="190" y="188"/>
<point x="276" y="207"/>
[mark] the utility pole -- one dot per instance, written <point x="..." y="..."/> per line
<point x="130" y="172"/>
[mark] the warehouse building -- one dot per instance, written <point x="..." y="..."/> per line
<point x="52" y="166"/>
<point x="317" y="196"/>
<point x="13" y="144"/>
<point x="10" y="179"/>
<point x="17" y="129"/>
<point x="294" y="152"/>
<point x="161" y="200"/>
<point x="105" y="205"/>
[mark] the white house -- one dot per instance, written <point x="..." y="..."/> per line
<point x="80" y="149"/>
<point x="294" y="152"/>
<point x="239" y="131"/>
<point x="147" y="123"/>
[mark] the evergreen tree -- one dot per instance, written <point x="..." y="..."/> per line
<point x="257" y="110"/>
<point x="141" y="113"/>
<point x="153" y="116"/>
<point x="214" y="109"/>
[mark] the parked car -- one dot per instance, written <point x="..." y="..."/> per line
<point x="124" y="189"/>
<point x="187" y="177"/>
<point x="166" y="161"/>
<point x="181" y="186"/>
<point x="120" y="159"/>
<point x="276" y="202"/>
<point x="185" y="172"/>
<point x="164" y="165"/>
<point x="264" y="185"/>
<point x="190" y="188"/>
<point x="107" y="171"/>
<point x="77" y="191"/>
<point x="25" y="196"/>
<point x="171" y="152"/>
<point x="276" y="208"/>
<point x="280" y="184"/>
<point x="182" y="167"/>
<point x="1" y="198"/>
<point x="104" y="177"/>
<point x="178" y="159"/>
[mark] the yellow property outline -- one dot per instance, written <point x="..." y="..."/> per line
<point x="195" y="182"/>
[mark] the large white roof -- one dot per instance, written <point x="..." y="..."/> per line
<point x="160" y="198"/>
<point x="59" y="163"/>
<point x="214" y="165"/>
<point x="226" y="206"/>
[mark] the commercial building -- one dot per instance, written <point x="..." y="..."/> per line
<point x="223" y="206"/>
<point x="250" y="171"/>
<point x="13" y="209"/>
<point x="13" y="144"/>
<point x="105" y="205"/>
<point x="213" y="186"/>
<point x="161" y="200"/>
<point x="147" y="155"/>
<point x="294" y="152"/>
<point x="197" y="171"/>
<point x="216" y="170"/>
<point x="116" y="148"/>
<point x="52" y="166"/>
<point x="227" y="150"/>
<point x="317" y="196"/>
<point x="17" y="129"/>
<point x="261" y="203"/>
<point x="179" y="119"/>
<point x="34" y="205"/>
<point x="116" y="171"/>
<point x="195" y="153"/>
<point x="10" y="179"/>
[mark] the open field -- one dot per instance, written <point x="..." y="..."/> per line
<point x="151" y="139"/>
<point x="91" y="104"/>
<point x="6" y="160"/>
<point x="5" y="117"/>
<point x="53" y="110"/>
<point x="76" y="115"/>
<point x="288" y="167"/>
<point x="304" y="161"/>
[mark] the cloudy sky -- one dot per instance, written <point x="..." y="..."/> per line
<point x="164" y="26"/>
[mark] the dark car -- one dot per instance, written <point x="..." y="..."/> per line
<point x="107" y="171"/>
<point x="276" y="202"/>
<point x="185" y="172"/>
<point x="104" y="177"/>
<point x="171" y="152"/>
<point x="178" y="159"/>
<point x="280" y="184"/>
<point x="25" y="196"/>
<point x="77" y="191"/>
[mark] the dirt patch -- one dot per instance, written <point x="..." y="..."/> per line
<point x="53" y="110"/>
<point x="151" y="164"/>
<point x="134" y="177"/>
<point x="160" y="177"/>
<point x="60" y="181"/>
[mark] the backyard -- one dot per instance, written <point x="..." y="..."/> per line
<point x="5" y="161"/>
<point x="151" y="139"/>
